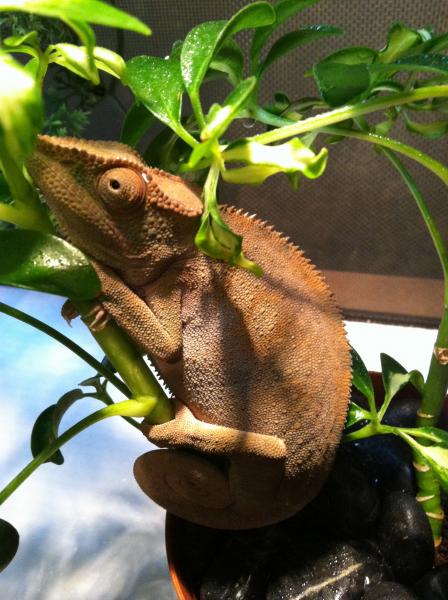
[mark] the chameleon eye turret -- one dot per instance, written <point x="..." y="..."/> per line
<point x="122" y="189"/>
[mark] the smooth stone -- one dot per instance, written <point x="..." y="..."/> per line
<point x="434" y="585"/>
<point x="238" y="571"/>
<point x="386" y="461"/>
<point x="405" y="537"/>
<point x="348" y="503"/>
<point x="389" y="590"/>
<point x="402" y="412"/>
<point x="339" y="570"/>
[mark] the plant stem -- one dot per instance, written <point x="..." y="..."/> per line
<point x="68" y="343"/>
<point x="128" y="360"/>
<point x="350" y="111"/>
<point x="129" y="408"/>
<point x="430" y="163"/>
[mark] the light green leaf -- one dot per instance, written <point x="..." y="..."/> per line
<point x="361" y="378"/>
<point x="395" y="378"/>
<point x="157" y="84"/>
<point x="136" y="123"/>
<point x="203" y="42"/>
<point x="284" y="10"/>
<point x="294" y="40"/>
<point x="76" y="59"/>
<point x="21" y="113"/>
<point x="28" y="39"/>
<point x="90" y="11"/>
<point x="88" y="40"/>
<point x="46" y="263"/>
<point x="9" y="543"/>
<point x="264" y="161"/>
<point x="399" y="41"/>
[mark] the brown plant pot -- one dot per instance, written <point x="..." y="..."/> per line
<point x="188" y="546"/>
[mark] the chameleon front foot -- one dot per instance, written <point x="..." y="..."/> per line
<point x="97" y="318"/>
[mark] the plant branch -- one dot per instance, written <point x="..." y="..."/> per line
<point x="350" y="111"/>
<point x="68" y="343"/>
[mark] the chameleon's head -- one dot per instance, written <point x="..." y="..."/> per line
<point x="112" y="206"/>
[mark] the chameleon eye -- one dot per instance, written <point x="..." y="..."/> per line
<point x="122" y="189"/>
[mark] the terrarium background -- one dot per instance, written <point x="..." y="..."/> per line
<point x="358" y="222"/>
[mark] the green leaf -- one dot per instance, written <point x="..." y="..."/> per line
<point x="217" y="240"/>
<point x="361" y="378"/>
<point x="88" y="39"/>
<point x="400" y="40"/>
<point x="28" y="39"/>
<point x="395" y="378"/>
<point x="21" y="113"/>
<point x="294" y="40"/>
<point x="432" y="131"/>
<point x="264" y="161"/>
<point x="203" y="42"/>
<point x="284" y="10"/>
<point x="9" y="543"/>
<point x="91" y="11"/>
<point x="229" y="60"/>
<point x="344" y="75"/>
<point x="430" y="63"/>
<point x="43" y="262"/>
<point x="76" y="59"/>
<point x="136" y="123"/>
<point x="436" y="456"/>
<point x="46" y="427"/>
<point x="157" y="84"/>
<point x="167" y="151"/>
<point x="224" y="115"/>
<point x="356" y="414"/>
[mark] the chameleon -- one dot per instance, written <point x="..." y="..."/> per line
<point x="260" y="367"/>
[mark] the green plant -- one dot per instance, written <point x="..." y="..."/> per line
<point x="409" y="75"/>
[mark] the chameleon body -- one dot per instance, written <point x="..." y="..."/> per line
<point x="260" y="367"/>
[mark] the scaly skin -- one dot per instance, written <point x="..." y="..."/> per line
<point x="260" y="367"/>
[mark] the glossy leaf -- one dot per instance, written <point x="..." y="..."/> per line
<point x="46" y="263"/>
<point x="395" y="377"/>
<point x="21" y="113"/>
<point x="9" y="543"/>
<point x="295" y="39"/>
<point x="157" y="84"/>
<point x="229" y="60"/>
<point x="136" y="123"/>
<point x="399" y="41"/>
<point x="28" y="39"/>
<point x="356" y="414"/>
<point x="204" y="41"/>
<point x="91" y="11"/>
<point x="429" y="63"/>
<point x="284" y="10"/>
<point x="361" y="378"/>
<point x="46" y="427"/>
<point x="344" y="75"/>
<point x="264" y="161"/>
<point x="436" y="455"/>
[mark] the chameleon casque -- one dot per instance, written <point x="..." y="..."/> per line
<point x="260" y="367"/>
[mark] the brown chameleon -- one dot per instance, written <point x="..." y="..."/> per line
<point x="260" y="367"/>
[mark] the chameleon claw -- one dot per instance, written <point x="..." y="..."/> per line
<point x="69" y="312"/>
<point x="100" y="318"/>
